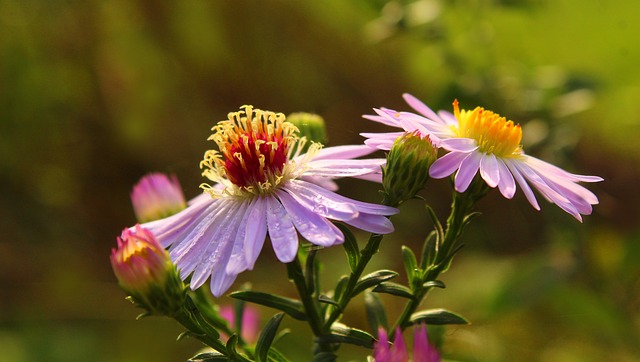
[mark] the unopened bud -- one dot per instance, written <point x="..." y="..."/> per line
<point x="310" y="126"/>
<point x="157" y="196"/>
<point x="407" y="168"/>
<point x="144" y="270"/>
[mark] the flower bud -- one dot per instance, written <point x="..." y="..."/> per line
<point x="407" y="167"/>
<point x="144" y="270"/>
<point x="310" y="126"/>
<point x="157" y="196"/>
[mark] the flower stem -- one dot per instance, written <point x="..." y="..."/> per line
<point x="461" y="207"/>
<point x="307" y="296"/>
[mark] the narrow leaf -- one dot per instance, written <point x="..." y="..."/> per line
<point x="327" y="299"/>
<point x="276" y="356"/>
<point x="340" y="287"/>
<point x="410" y="263"/>
<point x="434" y="284"/>
<point x="350" y="245"/>
<point x="372" y="279"/>
<point x="430" y="250"/>
<point x="266" y="337"/>
<point x="208" y="357"/>
<point x="341" y="333"/>
<point x="376" y="314"/>
<point x="292" y="307"/>
<point x="394" y="289"/>
<point x="438" y="316"/>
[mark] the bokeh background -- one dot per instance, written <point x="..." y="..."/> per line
<point x="95" y="94"/>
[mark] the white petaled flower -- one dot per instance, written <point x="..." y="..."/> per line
<point x="261" y="186"/>
<point x="482" y="141"/>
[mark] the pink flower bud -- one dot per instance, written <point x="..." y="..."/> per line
<point x="157" y="196"/>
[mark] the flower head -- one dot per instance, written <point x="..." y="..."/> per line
<point x="481" y="141"/>
<point x="263" y="187"/>
<point x="144" y="271"/>
<point x="422" y="350"/>
<point x="156" y="196"/>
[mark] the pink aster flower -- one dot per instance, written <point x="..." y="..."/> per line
<point x="250" y="321"/>
<point x="481" y="141"/>
<point x="422" y="350"/>
<point x="261" y="186"/>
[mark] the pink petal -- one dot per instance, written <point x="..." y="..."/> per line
<point x="489" y="170"/>
<point x="447" y="164"/>
<point x="310" y="225"/>
<point x="283" y="235"/>
<point x="507" y="184"/>
<point x="467" y="171"/>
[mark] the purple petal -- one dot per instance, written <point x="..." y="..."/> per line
<point x="284" y="238"/>
<point x="489" y="170"/>
<point x="376" y="224"/>
<point x="523" y="184"/>
<point x="343" y="168"/>
<point x="341" y="152"/>
<point x="310" y="225"/>
<point x="221" y="282"/>
<point x="422" y="108"/>
<point x="447" y="164"/>
<point x="465" y="145"/>
<point x="467" y="171"/>
<point x="383" y="117"/>
<point x="320" y="201"/>
<point x="507" y="185"/>
<point x="365" y="207"/>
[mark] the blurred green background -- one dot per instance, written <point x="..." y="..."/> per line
<point x="94" y="94"/>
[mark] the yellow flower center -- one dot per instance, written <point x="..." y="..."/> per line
<point x="254" y="150"/>
<point x="493" y="133"/>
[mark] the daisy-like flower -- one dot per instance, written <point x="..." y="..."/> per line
<point x="262" y="186"/>
<point x="482" y="141"/>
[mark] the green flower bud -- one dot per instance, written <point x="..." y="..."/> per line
<point x="311" y="126"/>
<point x="407" y="168"/>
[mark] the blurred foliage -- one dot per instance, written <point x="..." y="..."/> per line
<point x="95" y="94"/>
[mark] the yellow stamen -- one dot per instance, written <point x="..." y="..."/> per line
<point x="493" y="133"/>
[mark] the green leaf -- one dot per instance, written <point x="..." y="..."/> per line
<point x="231" y="347"/>
<point x="266" y="337"/>
<point x="438" y="316"/>
<point x="430" y="250"/>
<point x="376" y="314"/>
<point x="341" y="333"/>
<point x="208" y="357"/>
<point x="292" y="307"/>
<point x="394" y="289"/>
<point x="434" y="283"/>
<point x="410" y="264"/>
<point x="328" y="300"/>
<point x="350" y="245"/>
<point x="372" y="279"/>
<point x="276" y="356"/>
<point x="436" y="223"/>
<point x="340" y="287"/>
<point x="199" y="318"/>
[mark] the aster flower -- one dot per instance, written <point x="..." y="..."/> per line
<point x="262" y="185"/>
<point x="250" y="325"/>
<point x="422" y="350"/>
<point x="157" y="195"/>
<point x="482" y="141"/>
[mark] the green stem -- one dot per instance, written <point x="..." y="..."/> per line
<point x="184" y="318"/>
<point x="311" y="310"/>
<point x="366" y="254"/>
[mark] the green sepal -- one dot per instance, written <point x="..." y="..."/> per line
<point x="376" y="314"/>
<point x="434" y="284"/>
<point x="208" y="357"/>
<point x="350" y="246"/>
<point x="266" y="337"/>
<point x="231" y="349"/>
<point x="199" y="318"/>
<point x="394" y="289"/>
<point x="292" y="307"/>
<point x="341" y="333"/>
<point x="372" y="279"/>
<point x="410" y="264"/>
<point x="437" y="316"/>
